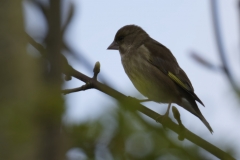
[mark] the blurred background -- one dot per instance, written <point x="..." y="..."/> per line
<point x="39" y="123"/>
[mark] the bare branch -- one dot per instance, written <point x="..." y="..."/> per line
<point x="204" y="62"/>
<point x="134" y="104"/>
<point x="220" y="44"/>
<point x="82" y="88"/>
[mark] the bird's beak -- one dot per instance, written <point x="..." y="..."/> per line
<point x="113" y="46"/>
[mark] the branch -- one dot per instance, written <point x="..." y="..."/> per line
<point x="220" y="45"/>
<point x="135" y="105"/>
<point x="205" y="62"/>
<point x="88" y="84"/>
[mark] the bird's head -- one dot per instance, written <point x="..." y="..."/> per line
<point x="129" y="36"/>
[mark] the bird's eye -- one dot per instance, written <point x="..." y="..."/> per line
<point x="120" y="38"/>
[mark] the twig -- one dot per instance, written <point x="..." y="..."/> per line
<point x="205" y="62"/>
<point x="220" y="44"/>
<point x="88" y="84"/>
<point x="82" y="88"/>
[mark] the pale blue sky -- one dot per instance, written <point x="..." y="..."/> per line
<point x="183" y="26"/>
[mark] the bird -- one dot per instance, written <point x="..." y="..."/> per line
<point x="154" y="71"/>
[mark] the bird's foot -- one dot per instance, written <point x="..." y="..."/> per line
<point x="164" y="118"/>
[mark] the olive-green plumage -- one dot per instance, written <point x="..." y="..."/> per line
<point x="154" y="71"/>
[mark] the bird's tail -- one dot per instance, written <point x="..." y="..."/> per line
<point x="205" y="122"/>
<point x="192" y="107"/>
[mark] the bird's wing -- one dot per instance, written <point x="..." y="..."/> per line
<point x="162" y="58"/>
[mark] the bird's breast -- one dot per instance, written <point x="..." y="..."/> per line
<point x="146" y="78"/>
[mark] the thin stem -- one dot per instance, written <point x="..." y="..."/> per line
<point x="220" y="44"/>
